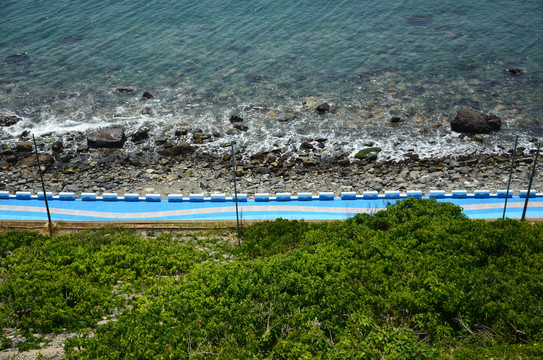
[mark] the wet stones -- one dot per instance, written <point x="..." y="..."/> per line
<point x="241" y="127"/>
<point x="140" y="135"/>
<point x="200" y="137"/>
<point x="9" y="120"/>
<point x="323" y="108"/>
<point x="396" y="120"/>
<point x="124" y="90"/>
<point x="369" y="154"/>
<point x="45" y="160"/>
<point x="57" y="146"/>
<point x="107" y="138"/>
<point x="24" y="147"/>
<point x="235" y="119"/>
<point x="471" y="122"/>
<point x="513" y="71"/>
<point x="287" y="118"/>
<point x="182" y="148"/>
<point x="147" y="96"/>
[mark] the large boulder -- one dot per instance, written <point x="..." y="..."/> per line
<point x="45" y="160"/>
<point x="471" y="122"/>
<point x="8" y="120"/>
<point x="107" y="138"/>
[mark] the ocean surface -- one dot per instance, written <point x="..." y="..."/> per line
<point x="272" y="63"/>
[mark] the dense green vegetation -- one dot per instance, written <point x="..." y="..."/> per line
<point x="417" y="281"/>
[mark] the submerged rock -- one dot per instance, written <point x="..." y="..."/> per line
<point x="241" y="127"/>
<point x="140" y="135"/>
<point x="235" y="119"/>
<point x="124" y="90"/>
<point x="471" y="122"/>
<point x="107" y="138"/>
<point x="17" y="59"/>
<point x="147" y="96"/>
<point x="513" y="71"/>
<point x="419" y="20"/>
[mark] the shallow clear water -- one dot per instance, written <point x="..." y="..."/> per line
<point x="61" y="60"/>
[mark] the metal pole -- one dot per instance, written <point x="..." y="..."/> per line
<point x="43" y="186"/>
<point x="235" y="189"/>
<point x="530" y="184"/>
<point x="510" y="175"/>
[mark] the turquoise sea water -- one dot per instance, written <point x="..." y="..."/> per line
<point x="61" y="60"/>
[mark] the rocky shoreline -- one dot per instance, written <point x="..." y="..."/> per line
<point x="112" y="170"/>
<point x="108" y="161"/>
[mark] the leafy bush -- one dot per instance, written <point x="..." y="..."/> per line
<point x="417" y="281"/>
<point x="67" y="281"/>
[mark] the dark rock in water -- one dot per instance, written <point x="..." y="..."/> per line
<point x="200" y="136"/>
<point x="140" y="135"/>
<point x="9" y="120"/>
<point x="57" y="146"/>
<point x="181" y="132"/>
<point x="471" y="122"/>
<point x="25" y="134"/>
<point x="363" y="154"/>
<point x="513" y="71"/>
<point x="241" y="127"/>
<point x="306" y="145"/>
<point x="147" y="96"/>
<point x="323" y="108"/>
<point x="17" y="59"/>
<point x="235" y="119"/>
<point x="371" y="73"/>
<point x="24" y="147"/>
<point x="419" y="20"/>
<point x="396" y="119"/>
<point x="107" y="138"/>
<point x="124" y="90"/>
<point x="45" y="159"/>
<point x="181" y="149"/>
<point x="476" y="138"/>
<point x="287" y="118"/>
<point x="467" y="66"/>
<point x="254" y="77"/>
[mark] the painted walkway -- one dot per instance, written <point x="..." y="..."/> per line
<point x="324" y="206"/>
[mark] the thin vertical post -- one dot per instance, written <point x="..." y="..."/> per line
<point x="530" y="183"/>
<point x="235" y="190"/>
<point x="510" y="176"/>
<point x="50" y="224"/>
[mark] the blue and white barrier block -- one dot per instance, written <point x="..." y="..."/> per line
<point x="262" y="197"/>
<point x="88" y="196"/>
<point x="152" y="197"/>
<point x="110" y="197"/>
<point x="305" y="196"/>
<point x="283" y="196"/>
<point x="326" y="196"/>
<point x="175" y="198"/>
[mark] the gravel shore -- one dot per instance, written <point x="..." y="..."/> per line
<point x="112" y="171"/>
